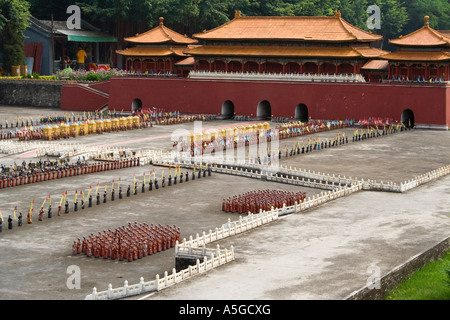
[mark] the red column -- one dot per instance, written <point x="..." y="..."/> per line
<point x="259" y="66"/>
<point x="409" y="71"/>
<point x="301" y="67"/>
<point x="210" y="65"/>
<point x="226" y="66"/>
<point x="337" y="68"/>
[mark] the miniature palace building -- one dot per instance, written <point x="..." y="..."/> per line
<point x="422" y="55"/>
<point x="291" y="67"/>
<point x="159" y="50"/>
<point x="286" y="45"/>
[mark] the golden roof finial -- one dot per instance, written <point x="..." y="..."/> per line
<point x="161" y="21"/>
<point x="427" y="21"/>
<point x="237" y="14"/>
<point x="337" y="14"/>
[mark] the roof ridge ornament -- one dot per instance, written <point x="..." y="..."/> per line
<point x="337" y="14"/>
<point x="427" y="21"/>
<point x="161" y="21"/>
<point x="237" y="14"/>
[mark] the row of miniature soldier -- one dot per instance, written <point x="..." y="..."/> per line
<point x="264" y="200"/>
<point x="64" y="205"/>
<point x="131" y="243"/>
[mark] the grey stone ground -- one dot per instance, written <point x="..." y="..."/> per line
<point x="321" y="254"/>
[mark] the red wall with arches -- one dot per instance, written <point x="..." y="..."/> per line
<point x="333" y="101"/>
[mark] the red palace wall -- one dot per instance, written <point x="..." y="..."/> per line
<point x="331" y="101"/>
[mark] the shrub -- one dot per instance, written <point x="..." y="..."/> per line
<point x="92" y="76"/>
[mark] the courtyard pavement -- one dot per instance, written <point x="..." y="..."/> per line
<point x="321" y="254"/>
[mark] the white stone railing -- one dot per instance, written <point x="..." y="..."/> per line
<point x="230" y="228"/>
<point x="254" y="76"/>
<point x="166" y="281"/>
<point x="317" y="180"/>
<point x="425" y="178"/>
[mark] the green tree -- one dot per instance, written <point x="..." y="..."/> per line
<point x="437" y="10"/>
<point x="14" y="21"/>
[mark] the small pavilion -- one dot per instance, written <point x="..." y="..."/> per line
<point x="423" y="55"/>
<point x="158" y="51"/>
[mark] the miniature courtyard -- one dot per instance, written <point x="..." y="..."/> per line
<point x="321" y="253"/>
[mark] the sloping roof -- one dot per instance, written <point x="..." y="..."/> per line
<point x="404" y="55"/>
<point x="58" y="26"/>
<point x="87" y="36"/>
<point x="424" y="37"/>
<point x="329" y="29"/>
<point x="368" y="52"/>
<point x="87" y="33"/>
<point x="279" y="51"/>
<point x="376" y="65"/>
<point x="161" y="34"/>
<point x="151" y="52"/>
<point x="186" y="62"/>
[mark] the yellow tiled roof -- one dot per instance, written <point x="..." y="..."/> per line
<point x="333" y="29"/>
<point x="278" y="51"/>
<point x="425" y="36"/>
<point x="151" y="52"/>
<point x="161" y="34"/>
<point x="404" y="55"/>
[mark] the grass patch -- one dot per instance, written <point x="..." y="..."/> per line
<point x="431" y="282"/>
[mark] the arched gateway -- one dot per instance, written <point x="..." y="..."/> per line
<point x="264" y="110"/>
<point x="302" y="113"/>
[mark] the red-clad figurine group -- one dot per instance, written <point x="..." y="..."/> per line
<point x="130" y="242"/>
<point x="264" y="200"/>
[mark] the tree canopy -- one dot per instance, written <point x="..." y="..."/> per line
<point x="14" y="15"/>
<point x="127" y="17"/>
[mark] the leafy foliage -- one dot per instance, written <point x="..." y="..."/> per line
<point x="14" y="16"/>
<point x="192" y="16"/>
<point x="84" y="75"/>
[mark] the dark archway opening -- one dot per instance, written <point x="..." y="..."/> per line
<point x="302" y="113"/>
<point x="136" y="105"/>
<point x="227" y="109"/>
<point x="264" y="110"/>
<point x="408" y="118"/>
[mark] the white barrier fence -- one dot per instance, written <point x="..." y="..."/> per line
<point x="166" y="281"/>
<point x="230" y="228"/>
<point x="276" y="76"/>
<point x="318" y="180"/>
<point x="425" y="178"/>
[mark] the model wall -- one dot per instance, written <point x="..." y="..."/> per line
<point x="333" y="101"/>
